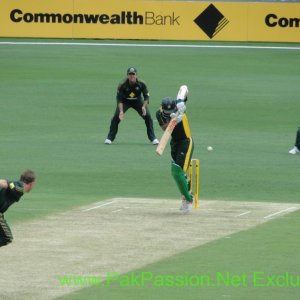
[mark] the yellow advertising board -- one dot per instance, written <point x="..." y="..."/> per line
<point x="148" y="20"/>
<point x="274" y="22"/>
<point x="18" y="18"/>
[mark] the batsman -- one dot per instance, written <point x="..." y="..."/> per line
<point x="182" y="145"/>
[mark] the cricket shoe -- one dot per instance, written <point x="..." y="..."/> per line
<point x="295" y="150"/>
<point x="107" y="142"/>
<point x="186" y="206"/>
<point x="183" y="205"/>
<point x="155" y="142"/>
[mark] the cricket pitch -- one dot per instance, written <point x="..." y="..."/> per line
<point x="116" y="235"/>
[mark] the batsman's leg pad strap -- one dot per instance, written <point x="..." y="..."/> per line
<point x="181" y="181"/>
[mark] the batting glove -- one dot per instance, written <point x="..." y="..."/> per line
<point x="181" y="107"/>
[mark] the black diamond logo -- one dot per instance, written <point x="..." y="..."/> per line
<point x="211" y="21"/>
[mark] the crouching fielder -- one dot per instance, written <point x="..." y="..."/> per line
<point x="11" y="192"/>
<point x="182" y="144"/>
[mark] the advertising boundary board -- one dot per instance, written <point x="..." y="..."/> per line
<point x="151" y="20"/>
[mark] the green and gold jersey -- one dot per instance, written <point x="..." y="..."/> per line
<point x="182" y="129"/>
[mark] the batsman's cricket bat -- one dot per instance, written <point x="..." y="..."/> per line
<point x="165" y="137"/>
<point x="182" y="93"/>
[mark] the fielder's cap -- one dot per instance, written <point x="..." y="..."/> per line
<point x="131" y="70"/>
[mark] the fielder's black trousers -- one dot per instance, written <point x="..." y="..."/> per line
<point x="137" y="105"/>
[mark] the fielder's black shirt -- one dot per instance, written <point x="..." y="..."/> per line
<point x="10" y="195"/>
<point x="131" y="92"/>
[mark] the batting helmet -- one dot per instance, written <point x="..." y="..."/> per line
<point x="168" y="106"/>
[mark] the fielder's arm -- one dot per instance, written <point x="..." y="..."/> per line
<point x="121" y="112"/>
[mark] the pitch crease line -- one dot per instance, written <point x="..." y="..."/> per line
<point x="117" y="210"/>
<point x="244" y="213"/>
<point x="280" y="212"/>
<point x="98" y="206"/>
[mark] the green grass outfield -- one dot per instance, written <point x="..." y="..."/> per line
<point x="56" y="105"/>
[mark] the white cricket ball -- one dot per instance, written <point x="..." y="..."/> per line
<point x="210" y="148"/>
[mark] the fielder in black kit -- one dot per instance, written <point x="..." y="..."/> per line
<point x="132" y="93"/>
<point x="11" y="192"/>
